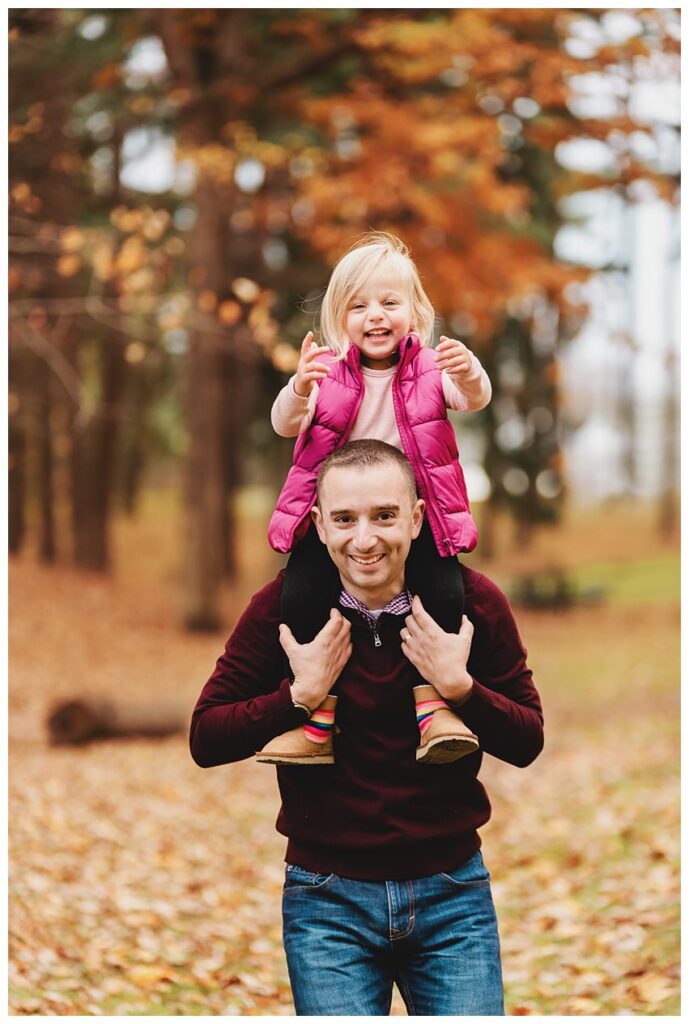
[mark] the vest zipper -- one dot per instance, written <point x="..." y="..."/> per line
<point x="410" y="448"/>
<point x="357" y="405"/>
<point x="343" y="440"/>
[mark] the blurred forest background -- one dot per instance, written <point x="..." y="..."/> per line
<point x="180" y="184"/>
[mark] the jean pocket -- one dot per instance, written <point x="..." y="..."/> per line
<point x="300" y="880"/>
<point x="472" y="874"/>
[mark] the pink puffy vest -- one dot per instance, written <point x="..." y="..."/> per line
<point x="428" y="441"/>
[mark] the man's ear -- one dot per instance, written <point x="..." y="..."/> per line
<point x="318" y="522"/>
<point x="417" y="518"/>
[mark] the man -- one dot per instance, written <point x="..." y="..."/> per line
<point x="385" y="882"/>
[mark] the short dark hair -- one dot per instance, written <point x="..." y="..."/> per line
<point x="367" y="452"/>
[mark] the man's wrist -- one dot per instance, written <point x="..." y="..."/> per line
<point x="458" y="693"/>
<point x="297" y="700"/>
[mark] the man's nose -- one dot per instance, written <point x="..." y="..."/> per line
<point x="363" y="537"/>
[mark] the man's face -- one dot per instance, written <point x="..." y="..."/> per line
<point x="367" y="519"/>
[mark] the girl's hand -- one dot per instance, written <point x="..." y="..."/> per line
<point x="308" y="369"/>
<point x="453" y="356"/>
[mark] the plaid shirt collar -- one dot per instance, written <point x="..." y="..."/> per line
<point x="400" y="605"/>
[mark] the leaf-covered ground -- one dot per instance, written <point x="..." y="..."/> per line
<point x="141" y="884"/>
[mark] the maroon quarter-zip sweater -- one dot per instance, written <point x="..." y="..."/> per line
<point x="376" y="813"/>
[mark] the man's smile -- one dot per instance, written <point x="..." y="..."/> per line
<point x="367" y="559"/>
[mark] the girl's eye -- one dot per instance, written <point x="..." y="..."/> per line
<point x="390" y="302"/>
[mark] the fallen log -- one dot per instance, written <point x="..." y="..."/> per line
<point x="84" y="719"/>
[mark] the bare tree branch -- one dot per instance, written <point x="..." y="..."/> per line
<point x="47" y="350"/>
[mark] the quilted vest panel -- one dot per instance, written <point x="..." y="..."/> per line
<point x="428" y="440"/>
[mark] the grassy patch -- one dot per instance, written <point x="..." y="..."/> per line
<point x="645" y="581"/>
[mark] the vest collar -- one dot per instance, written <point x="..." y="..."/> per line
<point x="409" y="346"/>
<point x="353" y="357"/>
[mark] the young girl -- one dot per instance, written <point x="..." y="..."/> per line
<point x="377" y="379"/>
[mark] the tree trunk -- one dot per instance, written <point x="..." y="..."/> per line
<point x="204" y="487"/>
<point x="95" y="450"/>
<point x="240" y="369"/>
<point x="523" y="533"/>
<point x="89" y="542"/>
<point x="667" y="508"/>
<point x="232" y="431"/>
<point x="489" y="512"/>
<point x="205" y="473"/>
<point x="204" y="57"/>
<point x="44" y="435"/>
<point x="16" y="456"/>
<point x="134" y="439"/>
<point x="93" y="463"/>
<point x="131" y="476"/>
<point x="89" y="545"/>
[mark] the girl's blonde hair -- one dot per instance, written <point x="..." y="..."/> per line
<point x="376" y="251"/>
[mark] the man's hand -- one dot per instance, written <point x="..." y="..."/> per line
<point x="440" y="657"/>
<point x="317" y="665"/>
<point x="309" y="369"/>
<point x="453" y="356"/>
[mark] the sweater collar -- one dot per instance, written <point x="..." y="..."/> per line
<point x="399" y="605"/>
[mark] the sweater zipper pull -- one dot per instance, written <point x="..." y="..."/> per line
<point x="377" y="642"/>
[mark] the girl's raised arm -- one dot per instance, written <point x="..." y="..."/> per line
<point x="294" y="406"/>
<point x="465" y="383"/>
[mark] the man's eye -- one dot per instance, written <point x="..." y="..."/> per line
<point x="386" y="516"/>
<point x="343" y="520"/>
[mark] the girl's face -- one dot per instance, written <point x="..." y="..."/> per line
<point x="378" y="316"/>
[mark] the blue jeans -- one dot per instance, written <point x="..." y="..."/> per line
<point x="436" y="937"/>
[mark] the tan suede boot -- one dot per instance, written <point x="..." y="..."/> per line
<point x="444" y="736"/>
<point x="303" y="745"/>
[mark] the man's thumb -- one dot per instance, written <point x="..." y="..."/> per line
<point x="466" y="629"/>
<point x="286" y="638"/>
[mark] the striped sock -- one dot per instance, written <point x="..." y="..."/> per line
<point x="320" y="725"/>
<point x="425" y="709"/>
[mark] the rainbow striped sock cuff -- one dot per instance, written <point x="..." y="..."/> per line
<point x="425" y="709"/>
<point x="320" y="725"/>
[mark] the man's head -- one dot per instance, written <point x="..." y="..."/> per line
<point x="367" y="515"/>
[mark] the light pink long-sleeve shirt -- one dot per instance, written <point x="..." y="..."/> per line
<point x="291" y="414"/>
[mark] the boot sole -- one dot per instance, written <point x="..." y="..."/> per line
<point x="297" y="759"/>
<point x="443" y="750"/>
